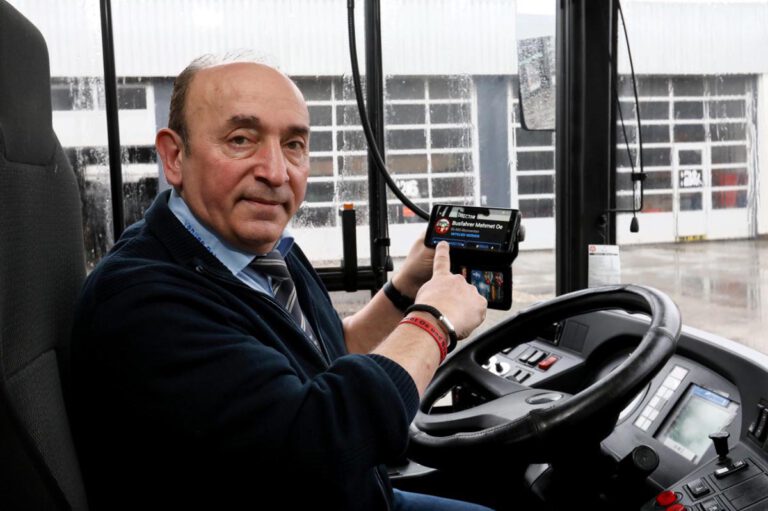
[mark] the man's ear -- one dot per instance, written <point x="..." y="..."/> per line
<point x="170" y="148"/>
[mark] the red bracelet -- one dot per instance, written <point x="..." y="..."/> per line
<point x="432" y="330"/>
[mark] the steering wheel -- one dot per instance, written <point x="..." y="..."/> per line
<point x="540" y="424"/>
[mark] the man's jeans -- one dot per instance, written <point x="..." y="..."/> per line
<point x="407" y="501"/>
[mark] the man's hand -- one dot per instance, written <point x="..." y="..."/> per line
<point x="452" y="295"/>
<point x="413" y="348"/>
<point x="416" y="270"/>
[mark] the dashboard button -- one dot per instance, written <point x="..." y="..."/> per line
<point x="522" y="376"/>
<point x="536" y="358"/>
<point x="643" y="423"/>
<point x="753" y="426"/>
<point x="666" y="498"/>
<point x="679" y="372"/>
<point x="548" y="362"/>
<point x="730" y="469"/>
<point x="762" y="425"/>
<point x="527" y="354"/>
<point x="672" y="383"/>
<point x="712" y="505"/>
<point x="698" y="488"/>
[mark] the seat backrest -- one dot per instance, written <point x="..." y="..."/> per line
<point x="42" y="266"/>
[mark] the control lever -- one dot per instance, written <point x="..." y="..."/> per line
<point x="626" y="485"/>
<point x="638" y="464"/>
<point x="720" y="439"/>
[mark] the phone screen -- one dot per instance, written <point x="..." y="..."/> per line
<point x="495" y="285"/>
<point x="472" y="227"/>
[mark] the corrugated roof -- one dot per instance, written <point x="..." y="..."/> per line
<point x="309" y="37"/>
<point x="697" y="38"/>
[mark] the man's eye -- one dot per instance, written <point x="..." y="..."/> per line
<point x="296" y="145"/>
<point x="239" y="140"/>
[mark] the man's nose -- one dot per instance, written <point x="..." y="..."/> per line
<point x="270" y="164"/>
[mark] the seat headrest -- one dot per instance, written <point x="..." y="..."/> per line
<point x="26" y="130"/>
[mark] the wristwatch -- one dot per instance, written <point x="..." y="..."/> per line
<point x="444" y="322"/>
<point x="397" y="298"/>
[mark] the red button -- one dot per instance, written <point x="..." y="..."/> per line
<point x="548" y="362"/>
<point x="676" y="507"/>
<point x="666" y="498"/>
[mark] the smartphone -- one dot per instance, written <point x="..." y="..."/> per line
<point x="473" y="227"/>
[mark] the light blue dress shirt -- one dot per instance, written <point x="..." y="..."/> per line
<point x="235" y="260"/>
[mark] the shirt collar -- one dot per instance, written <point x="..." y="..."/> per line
<point x="234" y="259"/>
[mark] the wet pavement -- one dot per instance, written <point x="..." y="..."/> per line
<point x="719" y="286"/>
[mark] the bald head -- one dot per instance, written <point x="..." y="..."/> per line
<point x="213" y="67"/>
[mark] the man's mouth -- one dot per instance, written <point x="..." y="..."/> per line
<point x="266" y="202"/>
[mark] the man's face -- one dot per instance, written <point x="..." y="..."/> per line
<point x="245" y="171"/>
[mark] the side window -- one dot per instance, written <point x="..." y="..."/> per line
<point x="701" y="116"/>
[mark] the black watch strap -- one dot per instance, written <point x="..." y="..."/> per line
<point x="399" y="300"/>
<point x="444" y="322"/>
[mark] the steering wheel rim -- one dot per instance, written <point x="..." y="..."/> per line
<point x="539" y="432"/>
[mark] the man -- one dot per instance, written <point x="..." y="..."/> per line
<point x="201" y="379"/>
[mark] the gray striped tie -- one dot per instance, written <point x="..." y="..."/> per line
<point x="273" y="265"/>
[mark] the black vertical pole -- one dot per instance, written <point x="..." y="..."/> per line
<point x="113" y="125"/>
<point x="349" y="237"/>
<point x="377" y="194"/>
<point x="614" y="41"/>
<point x="586" y="136"/>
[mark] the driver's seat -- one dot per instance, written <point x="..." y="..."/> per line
<point x="42" y="266"/>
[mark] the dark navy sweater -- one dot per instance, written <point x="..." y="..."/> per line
<point x="191" y="390"/>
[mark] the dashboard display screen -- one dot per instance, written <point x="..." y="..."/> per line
<point x="699" y="413"/>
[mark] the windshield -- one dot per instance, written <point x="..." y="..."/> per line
<point x="454" y="130"/>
